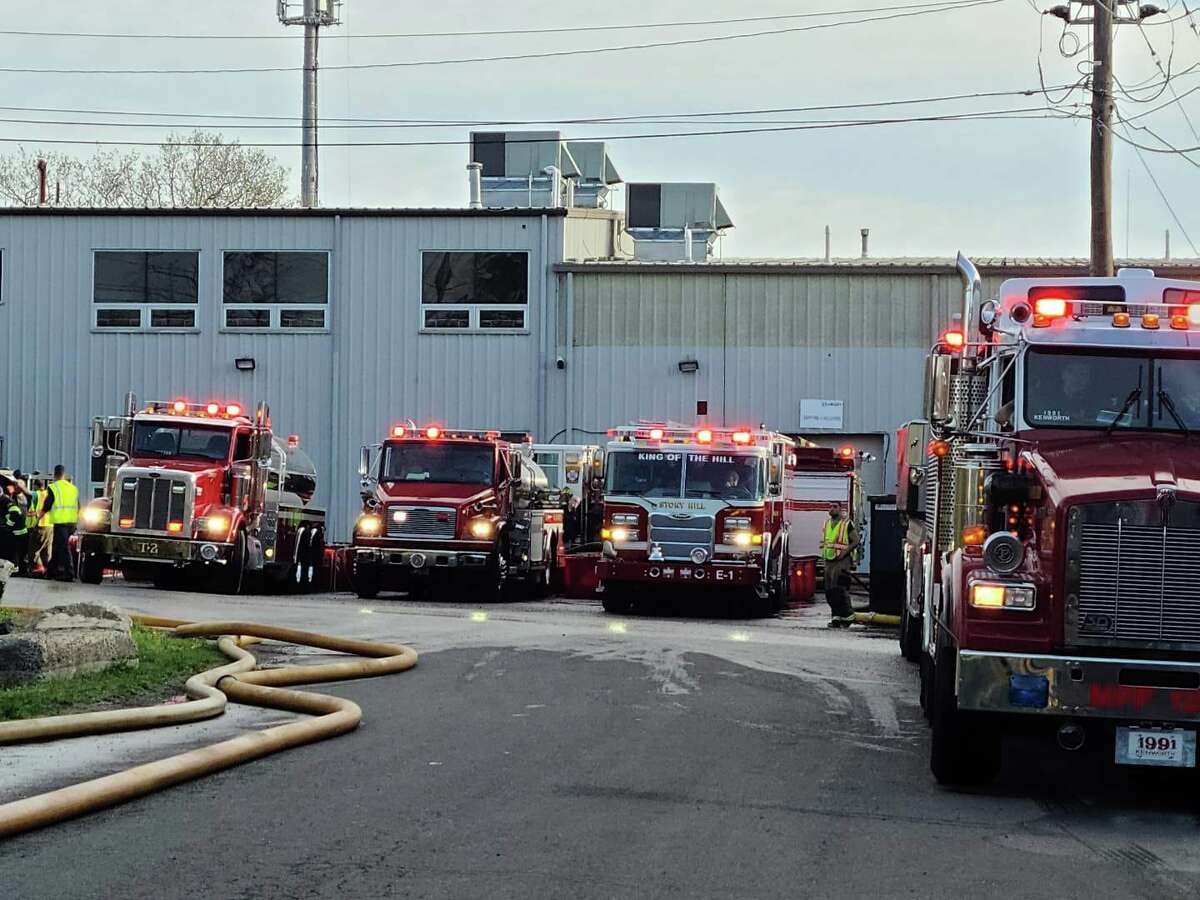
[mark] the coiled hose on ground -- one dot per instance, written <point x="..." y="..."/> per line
<point x="239" y="681"/>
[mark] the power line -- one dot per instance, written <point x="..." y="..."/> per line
<point x="568" y="29"/>
<point x="1162" y="194"/>
<point x="548" y="54"/>
<point x="1035" y="112"/>
<point x="678" y="118"/>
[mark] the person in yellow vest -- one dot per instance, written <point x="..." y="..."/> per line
<point x="63" y="516"/>
<point x="37" y="519"/>
<point x="838" y="543"/>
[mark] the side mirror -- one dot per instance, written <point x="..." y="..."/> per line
<point x="364" y="462"/>
<point x="937" y="388"/>
<point x="241" y="486"/>
<point x="98" y="440"/>
<point x="514" y="465"/>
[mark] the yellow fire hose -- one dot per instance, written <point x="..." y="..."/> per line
<point x="874" y="618"/>
<point x="240" y="682"/>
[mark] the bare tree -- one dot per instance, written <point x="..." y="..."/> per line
<point x="200" y="170"/>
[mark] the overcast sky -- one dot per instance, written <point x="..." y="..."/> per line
<point x="990" y="188"/>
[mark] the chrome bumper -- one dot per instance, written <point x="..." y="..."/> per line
<point x="1079" y="686"/>
<point x="151" y="548"/>
<point x="421" y="560"/>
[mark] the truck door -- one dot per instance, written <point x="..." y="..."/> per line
<point x="268" y="528"/>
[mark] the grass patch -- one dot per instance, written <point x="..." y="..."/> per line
<point x="165" y="663"/>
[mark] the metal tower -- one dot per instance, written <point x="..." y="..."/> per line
<point x="313" y="15"/>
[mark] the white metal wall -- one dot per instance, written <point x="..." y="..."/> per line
<point x="335" y="390"/>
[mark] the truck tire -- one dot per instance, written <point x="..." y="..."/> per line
<point x="965" y="749"/>
<point x="299" y="566"/>
<point x="493" y="584"/>
<point x="315" y="561"/>
<point x="232" y="575"/>
<point x="615" y="600"/>
<point x="91" y="568"/>
<point x="366" y="583"/>
<point x="910" y="635"/>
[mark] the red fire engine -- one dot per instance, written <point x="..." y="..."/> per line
<point x="466" y="507"/>
<point x="200" y="489"/>
<point x="822" y="476"/>
<point x="697" y="506"/>
<point x="1053" y="501"/>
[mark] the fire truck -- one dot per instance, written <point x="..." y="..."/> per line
<point x="201" y="490"/>
<point x="697" y="506"/>
<point x="1052" y="494"/>
<point x="574" y="469"/>
<point x="467" y="508"/>
<point x="822" y="476"/>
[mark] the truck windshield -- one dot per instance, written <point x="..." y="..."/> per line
<point x="444" y="463"/>
<point x="178" y="441"/>
<point x="724" y="476"/>
<point x="645" y="473"/>
<point x="1071" y="390"/>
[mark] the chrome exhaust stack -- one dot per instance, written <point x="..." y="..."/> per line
<point x="972" y="300"/>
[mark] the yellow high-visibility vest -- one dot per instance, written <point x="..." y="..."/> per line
<point x="836" y="538"/>
<point x="65" y="510"/>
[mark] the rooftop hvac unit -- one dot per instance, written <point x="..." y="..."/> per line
<point x="524" y="168"/>
<point x="674" y="221"/>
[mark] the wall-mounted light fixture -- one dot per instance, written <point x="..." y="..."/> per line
<point x="688" y="366"/>
<point x="244" y="364"/>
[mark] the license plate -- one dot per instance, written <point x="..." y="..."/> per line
<point x="1156" y="747"/>
<point x="150" y="548"/>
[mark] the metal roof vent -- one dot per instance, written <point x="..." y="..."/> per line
<point x="674" y="221"/>
<point x="597" y="173"/>
<point x="527" y="169"/>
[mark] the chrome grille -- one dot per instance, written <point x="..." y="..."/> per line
<point x="422" y="521"/>
<point x="1133" y="579"/>
<point x="152" y="501"/>
<point x="678" y="537"/>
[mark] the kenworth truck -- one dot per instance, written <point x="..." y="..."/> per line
<point x="1053" y="500"/>
<point x="464" y="509"/>
<point x="702" y="507"/>
<point x="201" y="491"/>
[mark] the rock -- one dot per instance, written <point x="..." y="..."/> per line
<point x="6" y="570"/>
<point x="65" y="640"/>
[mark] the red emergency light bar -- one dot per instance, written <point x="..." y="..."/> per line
<point x="181" y="407"/>
<point x="437" y="432"/>
<point x="668" y="434"/>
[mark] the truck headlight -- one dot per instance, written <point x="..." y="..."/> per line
<point x="735" y="522"/>
<point x="998" y="595"/>
<point x="482" y="528"/>
<point x="369" y="524"/>
<point x="217" y="526"/>
<point x="743" y="539"/>
<point x="618" y="535"/>
<point x="96" y="516"/>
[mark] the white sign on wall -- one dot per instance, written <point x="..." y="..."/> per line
<point x="821" y="414"/>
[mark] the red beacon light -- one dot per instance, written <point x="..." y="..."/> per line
<point x="656" y="434"/>
<point x="846" y="452"/>
<point x="704" y="436"/>
<point x="233" y="410"/>
<point x="293" y="441"/>
<point x="212" y="409"/>
<point x="953" y="339"/>
<point x="433" y="432"/>
<point x="179" y="406"/>
<point x="741" y="437"/>
<point x="398" y="431"/>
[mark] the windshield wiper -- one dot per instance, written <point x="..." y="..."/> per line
<point x="1134" y="396"/>
<point x="1165" y="399"/>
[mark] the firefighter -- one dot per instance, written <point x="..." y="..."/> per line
<point x="13" y="533"/>
<point x="838" y="542"/>
<point x="37" y="521"/>
<point x="63" y="517"/>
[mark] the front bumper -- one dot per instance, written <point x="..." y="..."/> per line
<point x="151" y="548"/>
<point x="709" y="573"/>
<point x="418" y="561"/>
<point x="1095" y="687"/>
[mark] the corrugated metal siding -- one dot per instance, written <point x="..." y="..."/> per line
<point x="336" y="390"/>
<point x="589" y="236"/>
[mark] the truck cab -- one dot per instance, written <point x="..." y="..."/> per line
<point x="1055" y="522"/>
<point x="701" y="507"/>
<point x="201" y="489"/>
<point x="458" y="507"/>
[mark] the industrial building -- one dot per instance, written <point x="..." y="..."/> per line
<point x="534" y="308"/>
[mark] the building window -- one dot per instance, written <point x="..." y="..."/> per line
<point x="286" y="290"/>
<point x="145" y="290"/>
<point x="474" y="290"/>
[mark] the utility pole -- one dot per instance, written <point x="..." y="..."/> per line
<point x="1102" y="105"/>
<point x="1105" y="16"/>
<point x="313" y="15"/>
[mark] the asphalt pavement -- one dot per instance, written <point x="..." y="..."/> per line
<point x="549" y="750"/>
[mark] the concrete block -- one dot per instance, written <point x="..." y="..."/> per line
<point x="66" y="640"/>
